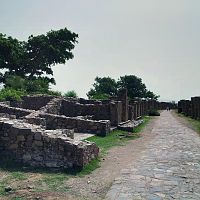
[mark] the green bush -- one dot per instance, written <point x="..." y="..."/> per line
<point x="71" y="93"/>
<point x="54" y="93"/>
<point x="100" y="96"/>
<point x="9" y="94"/>
<point x="153" y="113"/>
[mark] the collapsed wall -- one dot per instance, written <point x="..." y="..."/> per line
<point x="30" y="144"/>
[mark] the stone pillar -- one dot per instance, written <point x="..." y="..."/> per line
<point x="130" y="112"/>
<point x="122" y="96"/>
<point x="135" y="107"/>
<point x="115" y="113"/>
<point x="180" y="106"/>
<point x="142" y="108"/>
<point x="145" y="107"/>
<point x="139" y="109"/>
<point x="195" y="107"/>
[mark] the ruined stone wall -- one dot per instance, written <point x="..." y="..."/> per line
<point x="32" y="102"/>
<point x="186" y="107"/>
<point x="73" y="109"/>
<point x="106" y="110"/>
<point x="138" y="107"/>
<point x="101" y="127"/>
<point x="29" y="144"/>
<point x="195" y="107"/>
<point x="18" y="112"/>
<point x="190" y="108"/>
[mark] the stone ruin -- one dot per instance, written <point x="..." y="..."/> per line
<point x="190" y="107"/>
<point x="47" y="131"/>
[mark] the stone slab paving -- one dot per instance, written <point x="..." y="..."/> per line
<point x="168" y="168"/>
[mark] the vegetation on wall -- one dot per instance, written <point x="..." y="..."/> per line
<point x="71" y="93"/>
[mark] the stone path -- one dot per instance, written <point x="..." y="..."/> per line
<point x="168" y="168"/>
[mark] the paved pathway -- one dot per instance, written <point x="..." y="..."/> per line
<point x="168" y="168"/>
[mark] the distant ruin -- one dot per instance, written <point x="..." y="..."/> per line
<point x="190" y="107"/>
<point x="44" y="130"/>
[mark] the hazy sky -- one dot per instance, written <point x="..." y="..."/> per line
<point x="156" y="40"/>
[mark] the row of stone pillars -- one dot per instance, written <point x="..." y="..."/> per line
<point x="190" y="107"/>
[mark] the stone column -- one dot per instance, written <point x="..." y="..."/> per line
<point x="122" y="96"/>
<point x="195" y="107"/>
<point x="115" y="113"/>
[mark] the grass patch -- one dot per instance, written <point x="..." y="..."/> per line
<point x="139" y="128"/>
<point x="19" y="176"/>
<point x="52" y="182"/>
<point x="94" y="164"/>
<point x="115" y="138"/>
<point x="195" y="124"/>
<point x="3" y="184"/>
<point x="17" y="198"/>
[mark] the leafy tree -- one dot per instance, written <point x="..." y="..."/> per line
<point x="39" y="85"/>
<point x="15" y="82"/>
<point x="34" y="58"/>
<point x="105" y="86"/>
<point x="71" y="93"/>
<point x="134" y="85"/>
<point x="151" y="95"/>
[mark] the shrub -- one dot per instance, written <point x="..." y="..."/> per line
<point x="9" y="94"/>
<point x="54" y="93"/>
<point x="100" y="96"/>
<point x="153" y="113"/>
<point x="71" y="93"/>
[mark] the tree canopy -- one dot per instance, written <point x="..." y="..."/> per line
<point x="34" y="58"/>
<point x="103" y="88"/>
<point x="106" y="87"/>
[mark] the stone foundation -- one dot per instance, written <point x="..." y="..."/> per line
<point x="32" y="145"/>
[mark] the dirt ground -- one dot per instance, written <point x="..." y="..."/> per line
<point x="95" y="185"/>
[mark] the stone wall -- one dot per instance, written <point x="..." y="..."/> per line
<point x="101" y="127"/>
<point x="73" y="109"/>
<point x="32" y="145"/>
<point x="18" y="112"/>
<point x="139" y="108"/>
<point x="190" y="108"/>
<point x="195" y="107"/>
<point x="105" y="110"/>
<point x="32" y="102"/>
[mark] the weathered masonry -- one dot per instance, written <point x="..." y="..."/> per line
<point x="43" y="130"/>
<point x="190" y="107"/>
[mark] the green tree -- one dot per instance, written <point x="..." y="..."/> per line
<point x="103" y="88"/>
<point x="39" y="85"/>
<point x="15" y="82"/>
<point x="71" y="93"/>
<point x="134" y="85"/>
<point x="151" y="95"/>
<point x="106" y="87"/>
<point x="34" y="58"/>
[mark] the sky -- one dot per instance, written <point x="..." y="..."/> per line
<point x="156" y="40"/>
